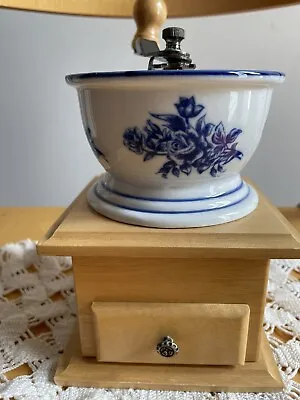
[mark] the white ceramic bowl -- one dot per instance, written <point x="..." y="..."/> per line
<point x="173" y="143"/>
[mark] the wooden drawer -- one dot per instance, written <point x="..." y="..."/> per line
<point x="210" y="334"/>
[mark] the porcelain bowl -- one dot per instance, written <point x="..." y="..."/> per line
<point x="173" y="143"/>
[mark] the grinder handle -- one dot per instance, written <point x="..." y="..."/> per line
<point x="149" y="16"/>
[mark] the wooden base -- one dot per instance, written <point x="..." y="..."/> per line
<point x="260" y="376"/>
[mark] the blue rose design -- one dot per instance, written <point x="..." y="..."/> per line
<point x="187" y="107"/>
<point x="186" y="142"/>
<point x="183" y="147"/>
<point x="133" y="140"/>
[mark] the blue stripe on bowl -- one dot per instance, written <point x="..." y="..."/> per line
<point x="171" y="200"/>
<point x="76" y="78"/>
<point x="171" y="212"/>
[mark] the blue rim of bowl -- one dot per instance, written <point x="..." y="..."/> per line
<point x="239" y="73"/>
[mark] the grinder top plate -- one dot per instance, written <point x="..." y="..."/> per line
<point x="80" y="231"/>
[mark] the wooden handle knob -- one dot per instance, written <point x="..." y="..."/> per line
<point x="149" y="16"/>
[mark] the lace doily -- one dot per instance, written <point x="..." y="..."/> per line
<point x="37" y="315"/>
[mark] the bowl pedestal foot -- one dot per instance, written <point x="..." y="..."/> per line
<point x="172" y="213"/>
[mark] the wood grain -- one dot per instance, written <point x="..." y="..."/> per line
<point x="260" y="376"/>
<point x="124" y="8"/>
<point x="207" y="334"/>
<point x="154" y="280"/>
<point x="265" y="233"/>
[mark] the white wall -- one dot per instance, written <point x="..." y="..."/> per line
<point x="44" y="156"/>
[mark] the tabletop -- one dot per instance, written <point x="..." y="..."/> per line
<point x="19" y="223"/>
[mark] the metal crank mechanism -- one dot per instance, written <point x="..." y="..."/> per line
<point x="172" y="57"/>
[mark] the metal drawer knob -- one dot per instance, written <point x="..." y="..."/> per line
<point x="167" y="347"/>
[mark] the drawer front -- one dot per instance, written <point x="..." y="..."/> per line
<point x="208" y="334"/>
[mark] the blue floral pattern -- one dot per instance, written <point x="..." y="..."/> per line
<point x="95" y="149"/>
<point x="186" y="140"/>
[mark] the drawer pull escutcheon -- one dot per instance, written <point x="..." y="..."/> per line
<point x="167" y="347"/>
